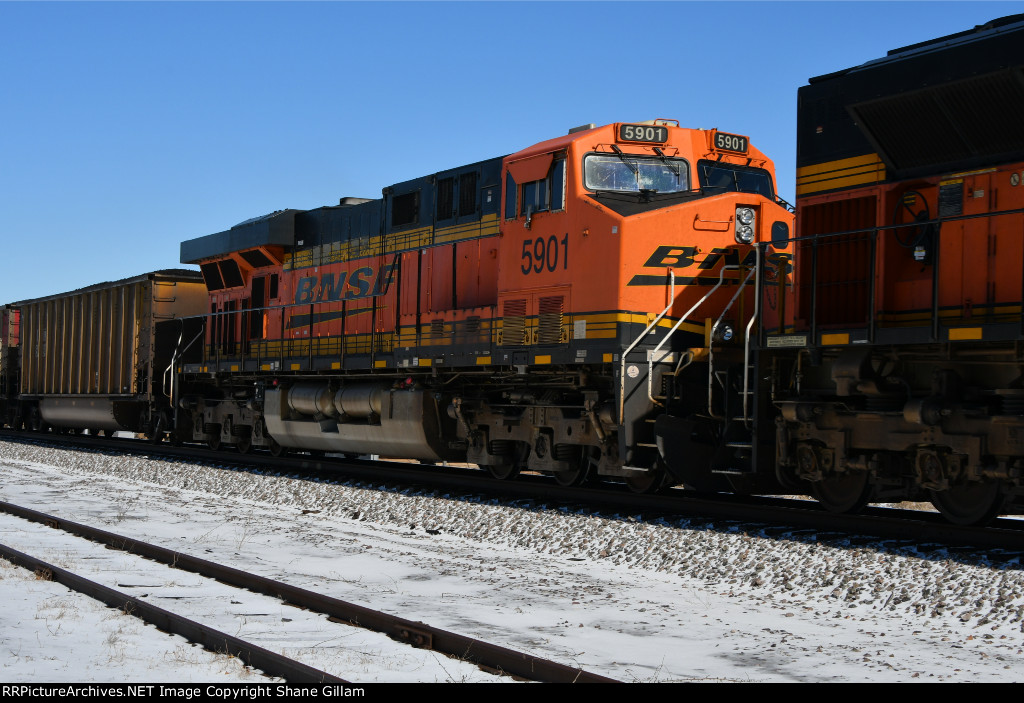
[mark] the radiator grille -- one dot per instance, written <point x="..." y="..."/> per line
<point x="549" y="328"/>
<point x="954" y="122"/>
<point x="843" y="262"/>
<point x="513" y="324"/>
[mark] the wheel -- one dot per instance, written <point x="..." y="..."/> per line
<point x="160" y="424"/>
<point x="572" y="477"/>
<point x="971" y="503"/>
<point x="649" y="483"/>
<point x="244" y="444"/>
<point x="214" y="442"/>
<point x="276" y="449"/>
<point x="35" y="421"/>
<point x="580" y="473"/>
<point x="504" y="472"/>
<point x="847" y="492"/>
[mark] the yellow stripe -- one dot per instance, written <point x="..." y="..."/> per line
<point x="842" y="173"/>
<point x="840" y="183"/>
<point x="380" y="364"/>
<point x="841" y="164"/>
<point x="687" y="326"/>
<point x="483" y="360"/>
<point x="607" y="320"/>
<point x="335" y="366"/>
<point x="545" y="359"/>
<point x="972" y="173"/>
<point x="960" y="333"/>
<point x="607" y="358"/>
<point x="827" y="339"/>
<point x="425" y="362"/>
<point x="411" y="238"/>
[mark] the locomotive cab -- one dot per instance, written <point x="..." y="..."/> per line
<point x="630" y="250"/>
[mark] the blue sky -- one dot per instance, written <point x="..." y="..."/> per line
<point x="126" y="128"/>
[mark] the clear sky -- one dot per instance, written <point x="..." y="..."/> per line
<point x="126" y="128"/>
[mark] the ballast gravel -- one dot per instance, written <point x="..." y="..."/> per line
<point x="659" y="600"/>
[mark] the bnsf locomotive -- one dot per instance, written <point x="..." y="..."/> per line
<point x="568" y="309"/>
<point x="910" y="250"/>
<point x="628" y="301"/>
<point x="537" y="311"/>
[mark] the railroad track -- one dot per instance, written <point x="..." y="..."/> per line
<point x="490" y="657"/>
<point x="748" y="512"/>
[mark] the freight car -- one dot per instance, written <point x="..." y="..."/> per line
<point x="98" y="358"/>
<point x="906" y="382"/>
<point x="536" y="311"/>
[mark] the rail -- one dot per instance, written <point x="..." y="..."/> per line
<point x="415" y="633"/>
<point x="269" y="662"/>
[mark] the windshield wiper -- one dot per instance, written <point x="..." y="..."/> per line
<point x="632" y="167"/>
<point x="672" y="167"/>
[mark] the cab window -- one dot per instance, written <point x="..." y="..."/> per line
<point x="734" y="178"/>
<point x="632" y="173"/>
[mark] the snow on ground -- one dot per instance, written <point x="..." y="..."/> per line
<point x="640" y="601"/>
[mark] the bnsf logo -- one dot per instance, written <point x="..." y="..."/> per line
<point x="677" y="257"/>
<point x="361" y="283"/>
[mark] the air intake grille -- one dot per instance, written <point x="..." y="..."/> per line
<point x="978" y="118"/>
<point x="513" y="324"/>
<point x="549" y="328"/>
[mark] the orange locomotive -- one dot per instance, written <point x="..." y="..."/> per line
<point x="910" y="266"/>
<point x="566" y="309"/>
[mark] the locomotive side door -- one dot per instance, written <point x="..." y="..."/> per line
<point x="534" y="250"/>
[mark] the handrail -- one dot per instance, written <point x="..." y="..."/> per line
<point x="165" y="388"/>
<point x="655" y="321"/>
<point x="653" y="352"/>
<point x="172" y="391"/>
<point x="746" y="337"/>
<point x="711" y="345"/>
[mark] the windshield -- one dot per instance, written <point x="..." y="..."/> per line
<point x="632" y="173"/>
<point x="742" y="179"/>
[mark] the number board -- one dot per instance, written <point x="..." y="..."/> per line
<point x="642" y="133"/>
<point x="730" y="142"/>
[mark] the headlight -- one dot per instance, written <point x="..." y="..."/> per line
<point x="745" y="223"/>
